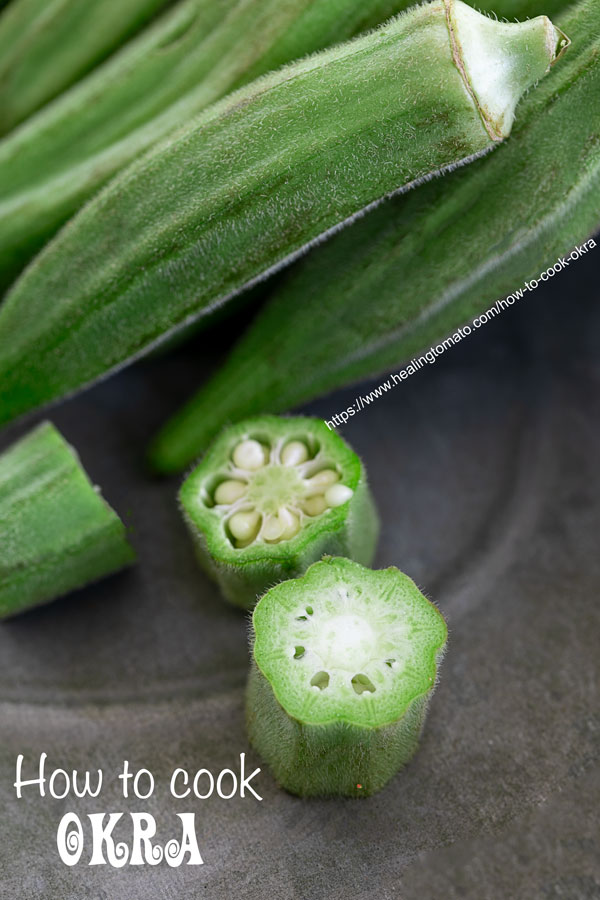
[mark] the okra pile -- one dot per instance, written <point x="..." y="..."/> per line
<point x="406" y="165"/>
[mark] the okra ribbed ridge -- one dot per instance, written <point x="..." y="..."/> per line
<point x="344" y="662"/>
<point x="271" y="496"/>
<point x="242" y="190"/>
<point x="57" y="532"/>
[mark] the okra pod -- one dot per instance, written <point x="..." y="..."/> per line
<point x="56" y="531"/>
<point x="344" y="662"/>
<point x="254" y="181"/>
<point x="410" y="273"/>
<point x="192" y="56"/>
<point x="270" y="497"/>
<point x="46" y="45"/>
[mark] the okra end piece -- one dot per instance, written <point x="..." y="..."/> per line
<point x="270" y="497"/>
<point x="500" y="61"/>
<point x="344" y="662"/>
<point x="58" y="533"/>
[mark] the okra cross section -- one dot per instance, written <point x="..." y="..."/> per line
<point x="344" y="662"/>
<point x="56" y="531"/>
<point x="273" y="495"/>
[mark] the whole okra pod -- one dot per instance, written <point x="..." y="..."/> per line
<point x="192" y="56"/>
<point x="415" y="269"/>
<point x="56" y="531"/>
<point x="344" y="663"/>
<point x="46" y="45"/>
<point x="254" y="181"/>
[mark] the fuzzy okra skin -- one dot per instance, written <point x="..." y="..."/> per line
<point x="253" y="181"/>
<point x="46" y="45"/>
<point x="192" y="56"/>
<point x="398" y="281"/>
<point x="344" y="663"/>
<point x="56" y="531"/>
<point x="271" y="496"/>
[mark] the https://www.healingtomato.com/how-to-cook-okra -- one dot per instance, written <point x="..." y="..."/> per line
<point x="270" y="497"/>
<point x="254" y="180"/>
<point x="344" y="663"/>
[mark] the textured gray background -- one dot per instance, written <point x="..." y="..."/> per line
<point x="485" y="468"/>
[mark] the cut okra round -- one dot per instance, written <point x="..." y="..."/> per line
<point x="273" y="495"/>
<point x="344" y="662"/>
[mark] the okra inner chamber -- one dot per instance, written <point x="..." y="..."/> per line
<point x="269" y="490"/>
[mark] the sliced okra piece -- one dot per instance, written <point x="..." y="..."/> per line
<point x="56" y="531"/>
<point x="344" y="662"/>
<point x="271" y="496"/>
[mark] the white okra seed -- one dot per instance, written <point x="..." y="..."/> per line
<point x="294" y="453"/>
<point x="249" y="454"/>
<point x="230" y="491"/>
<point x="273" y="528"/>
<point x="291" y="524"/>
<point x="314" y="506"/>
<point x="337" y="494"/>
<point x="321" y="481"/>
<point x="244" y="525"/>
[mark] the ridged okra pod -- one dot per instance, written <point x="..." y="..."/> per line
<point x="254" y="180"/>
<point x="344" y="662"/>
<point x="56" y="531"/>
<point x="46" y="45"/>
<point x="270" y="497"/>
<point x="401" y="279"/>
<point x="192" y="56"/>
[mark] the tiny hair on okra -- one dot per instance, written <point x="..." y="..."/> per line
<point x="56" y="531"/>
<point x="344" y="663"/>
<point x="270" y="497"/>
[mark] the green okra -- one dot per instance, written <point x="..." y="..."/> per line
<point x="46" y="45"/>
<point x="344" y="663"/>
<point x="254" y="181"/>
<point x="192" y="56"/>
<point x="271" y="496"/>
<point x="407" y="275"/>
<point x="56" y="531"/>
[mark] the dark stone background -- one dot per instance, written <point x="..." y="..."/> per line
<point x="485" y="468"/>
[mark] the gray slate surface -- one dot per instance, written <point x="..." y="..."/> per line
<point x="485" y="468"/>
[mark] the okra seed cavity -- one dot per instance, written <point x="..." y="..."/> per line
<point x="294" y="453"/>
<point x="337" y="494"/>
<point x="249" y="455"/>
<point x="230" y="491"/>
<point x="277" y="491"/>
<point x="244" y="525"/>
